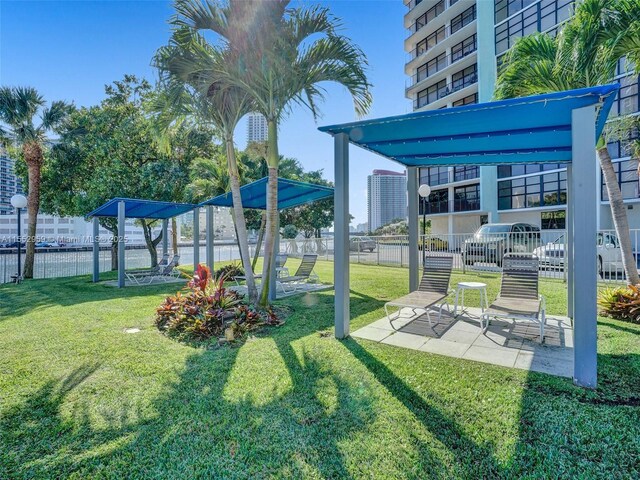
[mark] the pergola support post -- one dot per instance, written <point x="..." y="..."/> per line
<point x="583" y="190"/>
<point x="96" y="249"/>
<point x="273" y="290"/>
<point x="209" y="228"/>
<point x="412" y="212"/>
<point x="341" y="234"/>
<point x="121" y="243"/>
<point x="196" y="238"/>
<point x="165" y="237"/>
<point x="569" y="243"/>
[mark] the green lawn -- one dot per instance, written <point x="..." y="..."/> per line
<point x="80" y="398"/>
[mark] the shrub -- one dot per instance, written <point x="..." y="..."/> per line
<point x="206" y="309"/>
<point x="229" y="271"/>
<point x="622" y="303"/>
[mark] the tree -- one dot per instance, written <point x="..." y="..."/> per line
<point x="19" y="107"/>
<point x="585" y="53"/>
<point x="190" y="75"/>
<point x="279" y="56"/>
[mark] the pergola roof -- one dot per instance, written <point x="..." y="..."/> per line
<point x="291" y="193"/>
<point x="137" y="208"/>
<point x="534" y="129"/>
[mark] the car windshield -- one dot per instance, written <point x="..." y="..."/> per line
<point x="489" y="229"/>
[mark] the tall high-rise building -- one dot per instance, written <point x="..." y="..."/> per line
<point x="9" y="183"/>
<point x="454" y="49"/>
<point x="256" y="128"/>
<point x="386" y="198"/>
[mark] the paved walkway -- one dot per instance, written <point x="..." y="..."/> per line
<point x="507" y="343"/>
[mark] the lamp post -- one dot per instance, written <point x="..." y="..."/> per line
<point x="424" y="190"/>
<point x="18" y="202"/>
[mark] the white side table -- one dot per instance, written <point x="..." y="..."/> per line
<point x="462" y="286"/>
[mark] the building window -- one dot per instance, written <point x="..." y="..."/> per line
<point x="539" y="17"/>
<point x="432" y="66"/>
<point x="431" y="41"/>
<point x="533" y="191"/>
<point x="627" y="174"/>
<point x="433" y="176"/>
<point x="553" y="220"/>
<point x="506" y="8"/>
<point x="431" y="94"/>
<point x="627" y="100"/>
<point x="429" y="15"/>
<point x="464" y="78"/>
<point x="464" y="19"/>
<point x="466" y="198"/>
<point x="625" y="147"/>
<point x="464" y="48"/>
<point x="438" y="202"/>
<point x="468" y="100"/>
<point x="505" y="171"/>
<point x="465" y="173"/>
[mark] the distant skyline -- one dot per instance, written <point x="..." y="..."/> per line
<point x="70" y="50"/>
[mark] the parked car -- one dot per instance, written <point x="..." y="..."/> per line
<point x="13" y="245"/>
<point x="491" y="241"/>
<point x="608" y="248"/>
<point x="360" y="244"/>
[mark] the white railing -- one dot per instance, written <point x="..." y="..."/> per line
<point x="469" y="254"/>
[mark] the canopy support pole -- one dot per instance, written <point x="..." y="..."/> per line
<point x="341" y="234"/>
<point x="273" y="274"/>
<point x="196" y="238"/>
<point x="96" y="249"/>
<point x="165" y="237"/>
<point x="209" y="227"/>
<point x="569" y="243"/>
<point x="583" y="188"/>
<point x="121" y="243"/>
<point x="412" y="211"/>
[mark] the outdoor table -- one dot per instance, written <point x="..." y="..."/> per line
<point x="462" y="286"/>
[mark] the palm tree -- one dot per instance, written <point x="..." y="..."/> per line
<point x="281" y="56"/>
<point x="19" y="107"/>
<point x="189" y="68"/>
<point x="585" y="53"/>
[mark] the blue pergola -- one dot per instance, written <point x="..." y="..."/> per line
<point x="123" y="208"/>
<point x="291" y="194"/>
<point x="560" y="127"/>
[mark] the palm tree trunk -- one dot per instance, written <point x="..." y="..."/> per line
<point x="619" y="214"/>
<point x="240" y="223"/>
<point x="263" y="223"/>
<point x="273" y="159"/>
<point x="33" y="158"/>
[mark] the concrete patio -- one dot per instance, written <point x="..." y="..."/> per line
<point x="507" y="343"/>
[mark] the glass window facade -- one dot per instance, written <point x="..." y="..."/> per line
<point x="470" y="99"/>
<point x="431" y="94"/>
<point x="464" y="19"/>
<point x="433" y="176"/>
<point x="464" y="78"/>
<point x="466" y="198"/>
<point x="464" y="48"/>
<point x="627" y="173"/>
<point x="552" y="220"/>
<point x="438" y="202"/>
<point x="506" y="8"/>
<point x="431" y="41"/>
<point x="429" y="15"/>
<point x="432" y="66"/>
<point x="539" y="17"/>
<point x="505" y="171"/>
<point x="465" y="173"/>
<point x="533" y="191"/>
<point x="627" y="99"/>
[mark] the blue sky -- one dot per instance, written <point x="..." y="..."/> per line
<point x="70" y="49"/>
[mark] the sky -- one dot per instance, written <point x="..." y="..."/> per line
<point x="69" y="50"/>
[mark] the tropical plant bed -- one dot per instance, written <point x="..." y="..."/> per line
<point x="207" y="309"/>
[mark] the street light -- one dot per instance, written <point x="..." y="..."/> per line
<point x="18" y="202"/>
<point x="424" y="191"/>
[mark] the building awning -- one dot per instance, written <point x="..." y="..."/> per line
<point x="291" y="193"/>
<point x="535" y="129"/>
<point x="137" y="208"/>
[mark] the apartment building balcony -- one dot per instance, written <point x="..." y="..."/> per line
<point x="463" y="57"/>
<point x="454" y="18"/>
<point x="443" y="90"/>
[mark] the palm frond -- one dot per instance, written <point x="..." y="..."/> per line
<point x="53" y="117"/>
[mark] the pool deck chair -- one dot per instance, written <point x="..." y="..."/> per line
<point x="281" y="259"/>
<point x="518" y="297"/>
<point x="303" y="274"/>
<point x="433" y="288"/>
<point x="142" y="276"/>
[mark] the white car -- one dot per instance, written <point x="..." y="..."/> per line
<point x="608" y="248"/>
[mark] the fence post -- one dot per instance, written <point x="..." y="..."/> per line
<point x="377" y="251"/>
<point x="401" y="253"/>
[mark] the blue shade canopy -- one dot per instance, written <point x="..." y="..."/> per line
<point x="135" y="208"/>
<point x="291" y="193"/>
<point x="534" y="129"/>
